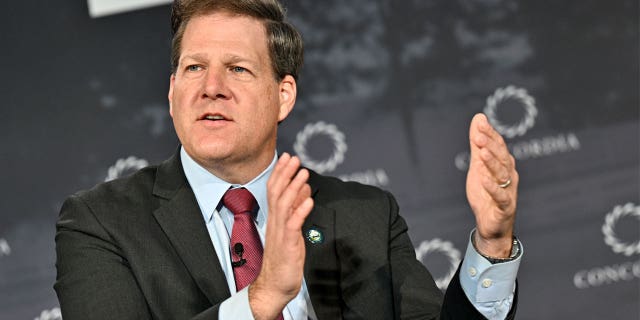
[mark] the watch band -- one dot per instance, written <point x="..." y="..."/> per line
<point x="515" y="250"/>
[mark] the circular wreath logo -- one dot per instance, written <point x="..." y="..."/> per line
<point x="448" y="250"/>
<point x="608" y="229"/>
<point x="123" y="165"/>
<point x="321" y="128"/>
<point x="519" y="94"/>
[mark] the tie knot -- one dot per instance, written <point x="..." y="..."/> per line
<point x="239" y="200"/>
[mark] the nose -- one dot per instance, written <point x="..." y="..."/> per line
<point x="215" y="86"/>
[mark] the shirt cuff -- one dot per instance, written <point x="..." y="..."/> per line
<point x="483" y="281"/>
<point x="236" y="307"/>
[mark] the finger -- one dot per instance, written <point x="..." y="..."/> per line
<point x="289" y="170"/>
<point x="474" y="132"/>
<point x="282" y="175"/>
<point x="293" y="191"/>
<point x="277" y="169"/>
<point x="499" y="151"/>
<point x="275" y="186"/>
<point x="477" y="139"/>
<point x="485" y="127"/>
<point x="498" y="170"/>
<point x="482" y="130"/>
<point x="296" y="202"/>
<point x="305" y="192"/>
<point x="497" y="166"/>
<point x="493" y="140"/>
<point x="478" y="125"/>
<point x="487" y="138"/>
<point x="501" y="196"/>
<point x="300" y="214"/>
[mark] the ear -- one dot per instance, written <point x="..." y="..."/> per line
<point x="170" y="95"/>
<point x="287" y="96"/>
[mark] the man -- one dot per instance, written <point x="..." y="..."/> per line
<point x="169" y="242"/>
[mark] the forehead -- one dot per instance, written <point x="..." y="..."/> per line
<point x="222" y="32"/>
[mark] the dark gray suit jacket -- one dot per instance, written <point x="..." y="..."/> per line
<point x="138" y="248"/>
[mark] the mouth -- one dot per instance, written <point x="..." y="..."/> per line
<point x="213" y="117"/>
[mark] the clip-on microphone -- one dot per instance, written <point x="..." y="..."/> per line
<point x="238" y="248"/>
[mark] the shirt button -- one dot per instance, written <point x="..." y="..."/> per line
<point x="486" y="283"/>
<point x="473" y="271"/>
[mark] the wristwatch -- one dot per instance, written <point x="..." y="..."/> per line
<point x="515" y="250"/>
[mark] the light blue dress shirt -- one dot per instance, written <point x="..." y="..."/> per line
<point x="489" y="287"/>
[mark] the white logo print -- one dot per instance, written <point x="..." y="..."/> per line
<point x="446" y="248"/>
<point x="610" y="221"/>
<point x="375" y="177"/>
<point x="125" y="165"/>
<point x="617" y="272"/>
<point x="519" y="94"/>
<point x="53" y="314"/>
<point x="534" y="148"/>
<point x="321" y="128"/>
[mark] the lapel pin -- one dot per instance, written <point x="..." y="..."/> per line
<point x="315" y="236"/>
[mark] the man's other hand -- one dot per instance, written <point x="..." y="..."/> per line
<point x="492" y="188"/>
<point x="290" y="203"/>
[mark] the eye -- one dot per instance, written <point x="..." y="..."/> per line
<point x="193" y="68"/>
<point x="237" y="69"/>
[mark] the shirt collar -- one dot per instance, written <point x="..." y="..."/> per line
<point x="209" y="189"/>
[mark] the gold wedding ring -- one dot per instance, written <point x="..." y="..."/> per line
<point x="506" y="184"/>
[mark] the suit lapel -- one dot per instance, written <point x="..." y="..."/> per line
<point x="321" y="271"/>
<point x="180" y="218"/>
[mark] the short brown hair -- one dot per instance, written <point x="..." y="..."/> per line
<point x="284" y="41"/>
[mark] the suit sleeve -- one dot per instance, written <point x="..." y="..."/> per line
<point x="453" y="309"/>
<point x="415" y="293"/>
<point x="94" y="279"/>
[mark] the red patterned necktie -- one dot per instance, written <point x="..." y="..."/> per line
<point x="243" y="206"/>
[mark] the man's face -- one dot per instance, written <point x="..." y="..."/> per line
<point x="224" y="99"/>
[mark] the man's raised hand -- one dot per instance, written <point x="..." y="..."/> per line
<point x="280" y="279"/>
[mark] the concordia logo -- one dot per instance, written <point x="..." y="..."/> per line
<point x="125" y="166"/>
<point x="520" y="95"/>
<point x="625" y="271"/>
<point x="377" y="177"/>
<point x="608" y="229"/>
<point x="447" y="249"/>
<point x="521" y="150"/>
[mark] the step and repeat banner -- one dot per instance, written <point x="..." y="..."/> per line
<point x="385" y="98"/>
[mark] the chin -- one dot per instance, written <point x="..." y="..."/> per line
<point x="210" y="151"/>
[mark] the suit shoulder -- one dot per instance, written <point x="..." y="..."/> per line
<point x="137" y="186"/>
<point x="334" y="189"/>
<point x="354" y="203"/>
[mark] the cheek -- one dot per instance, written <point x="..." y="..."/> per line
<point x="271" y="103"/>
<point x="178" y="103"/>
<point x="179" y="117"/>
<point x="267" y="116"/>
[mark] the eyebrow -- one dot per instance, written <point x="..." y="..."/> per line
<point x="232" y="58"/>
<point x="194" y="56"/>
<point x="227" y="58"/>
